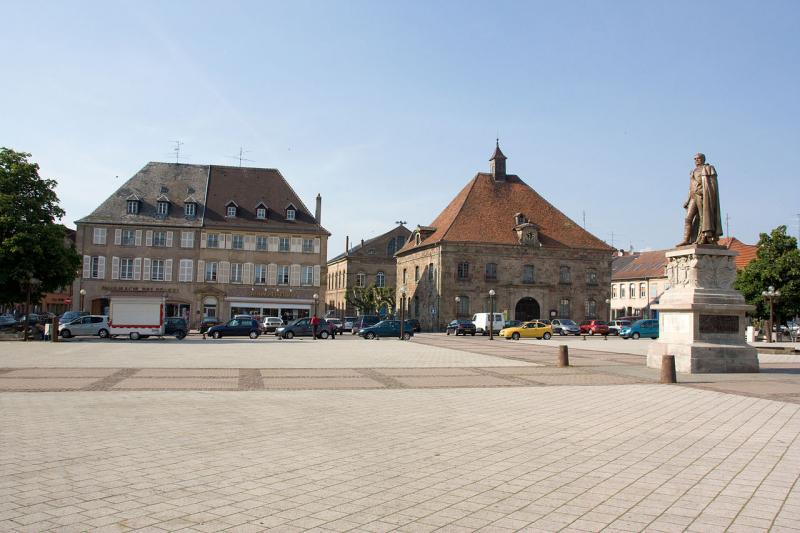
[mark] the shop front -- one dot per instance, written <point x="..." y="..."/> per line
<point x="287" y="309"/>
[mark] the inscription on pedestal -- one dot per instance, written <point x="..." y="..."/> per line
<point x="719" y="324"/>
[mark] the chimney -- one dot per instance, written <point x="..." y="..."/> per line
<point x="318" y="212"/>
<point x="347" y="244"/>
<point x="362" y="243"/>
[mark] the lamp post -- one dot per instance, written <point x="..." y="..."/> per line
<point x="316" y="299"/>
<point x="83" y="293"/>
<point x="491" y="314"/>
<point x="771" y="295"/>
<point x="402" y="314"/>
<point x="458" y="301"/>
<point x="31" y="282"/>
<point x="608" y="303"/>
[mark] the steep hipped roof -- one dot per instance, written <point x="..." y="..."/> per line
<point x="641" y="265"/>
<point x="484" y="210"/>
<point x="176" y="180"/>
<point x="747" y="252"/>
<point x="400" y="230"/>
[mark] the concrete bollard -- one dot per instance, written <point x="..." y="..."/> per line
<point x="584" y="337"/>
<point x="54" y="330"/>
<point x="668" y="369"/>
<point x="563" y="355"/>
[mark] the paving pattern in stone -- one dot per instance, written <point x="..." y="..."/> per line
<point x="631" y="458"/>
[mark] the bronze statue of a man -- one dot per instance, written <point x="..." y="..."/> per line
<point x="703" y="223"/>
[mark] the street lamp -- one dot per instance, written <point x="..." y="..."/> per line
<point x="31" y="283"/>
<point x="316" y="298"/>
<point x="491" y="315"/>
<point x="402" y="314"/>
<point x="771" y="295"/>
<point x="608" y="304"/>
<point x="458" y="302"/>
<point x="83" y="293"/>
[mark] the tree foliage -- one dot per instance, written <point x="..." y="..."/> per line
<point x="369" y="300"/>
<point x="32" y="244"/>
<point x="777" y="263"/>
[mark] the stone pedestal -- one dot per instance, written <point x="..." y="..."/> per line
<point x="701" y="316"/>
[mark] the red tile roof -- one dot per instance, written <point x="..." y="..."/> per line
<point x="642" y="265"/>
<point x="484" y="210"/>
<point x="747" y="252"/>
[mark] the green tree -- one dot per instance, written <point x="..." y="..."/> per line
<point x="362" y="298"/>
<point x="777" y="263"/>
<point x="32" y="244"/>
<point x="385" y="297"/>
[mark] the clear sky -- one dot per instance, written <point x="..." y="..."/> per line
<point x="389" y="108"/>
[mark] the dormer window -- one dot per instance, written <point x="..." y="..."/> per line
<point x="261" y="212"/>
<point x="189" y="209"/>
<point x="231" y="209"/>
<point x="417" y="238"/>
<point x="133" y="207"/>
<point x="162" y="208"/>
<point x="291" y="212"/>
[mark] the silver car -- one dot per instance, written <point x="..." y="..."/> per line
<point x="565" y="326"/>
<point x="95" y="325"/>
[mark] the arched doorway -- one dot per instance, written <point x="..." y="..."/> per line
<point x="526" y="309"/>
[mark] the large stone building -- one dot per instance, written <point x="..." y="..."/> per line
<point x="370" y="262"/>
<point x="638" y="279"/>
<point x="215" y="240"/>
<point x="499" y="234"/>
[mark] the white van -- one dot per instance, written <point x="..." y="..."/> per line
<point x="136" y="316"/>
<point x="481" y="321"/>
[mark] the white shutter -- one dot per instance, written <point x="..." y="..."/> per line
<point x="224" y="271"/>
<point x="169" y="239"/>
<point x="316" y="245"/>
<point x="203" y="239"/>
<point x="272" y="274"/>
<point x="294" y="275"/>
<point x="247" y="277"/>
<point x="201" y="270"/>
<point x="146" y="269"/>
<point x="115" y="268"/>
<point x="228" y="241"/>
<point x="249" y="242"/>
<point x="316" y="275"/>
<point x="272" y="244"/>
<point x="168" y="270"/>
<point x="87" y="266"/>
<point x="117" y="237"/>
<point x="296" y="244"/>
<point x="137" y="268"/>
<point x="138" y="237"/>
<point x="103" y="232"/>
<point x="148" y="238"/>
<point x="101" y="267"/>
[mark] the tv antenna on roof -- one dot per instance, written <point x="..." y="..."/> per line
<point x="177" y="150"/>
<point x="241" y="157"/>
<point x="400" y="222"/>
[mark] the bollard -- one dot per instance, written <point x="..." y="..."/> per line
<point x="54" y="330"/>
<point x="668" y="369"/>
<point x="605" y="337"/>
<point x="563" y="355"/>
<point x="584" y="337"/>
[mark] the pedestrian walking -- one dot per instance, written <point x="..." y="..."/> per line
<point x="333" y="330"/>
<point x="314" y="326"/>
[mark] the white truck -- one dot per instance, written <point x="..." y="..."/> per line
<point x="482" y="320"/>
<point x="136" y="316"/>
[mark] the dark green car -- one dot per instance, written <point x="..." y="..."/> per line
<point x="387" y="328"/>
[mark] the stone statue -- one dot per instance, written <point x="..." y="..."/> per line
<point x="703" y="223"/>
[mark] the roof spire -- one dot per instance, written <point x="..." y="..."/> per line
<point x="497" y="163"/>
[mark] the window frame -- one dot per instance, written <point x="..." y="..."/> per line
<point x="211" y="271"/>
<point x="157" y="270"/>
<point x="189" y="209"/>
<point x="162" y="208"/>
<point x="126" y="268"/>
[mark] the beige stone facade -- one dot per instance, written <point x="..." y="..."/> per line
<point x="370" y="262"/>
<point x="263" y="264"/>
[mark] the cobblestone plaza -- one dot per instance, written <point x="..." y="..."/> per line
<point x="437" y="433"/>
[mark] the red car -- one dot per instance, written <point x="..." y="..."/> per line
<point x="594" y="327"/>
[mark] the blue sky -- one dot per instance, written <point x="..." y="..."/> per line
<point x="389" y="108"/>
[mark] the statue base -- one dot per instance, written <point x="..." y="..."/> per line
<point x="701" y="316"/>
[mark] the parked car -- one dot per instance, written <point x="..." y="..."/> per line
<point x="461" y="327"/>
<point x="209" y="322"/>
<point x="301" y="327"/>
<point x="594" y="327"/>
<point x="69" y="316"/>
<point x="7" y="320"/>
<point x="512" y="323"/>
<point x="336" y="323"/>
<point x="417" y="327"/>
<point x="640" y="328"/>
<point x="387" y="328"/>
<point x="270" y="323"/>
<point x="237" y="327"/>
<point x="348" y="323"/>
<point x="94" y="325"/>
<point x="364" y="321"/>
<point x="528" y="330"/>
<point x="482" y="320"/>
<point x="615" y="325"/>
<point x="176" y="325"/>
<point x="565" y="326"/>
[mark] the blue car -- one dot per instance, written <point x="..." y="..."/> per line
<point x="387" y="328"/>
<point x="640" y="328"/>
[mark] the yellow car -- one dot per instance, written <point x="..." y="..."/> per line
<point x="528" y="330"/>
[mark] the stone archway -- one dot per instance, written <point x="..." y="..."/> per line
<point x="527" y="309"/>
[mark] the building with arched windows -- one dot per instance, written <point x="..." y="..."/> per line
<point x="499" y="234"/>
<point x="372" y="262"/>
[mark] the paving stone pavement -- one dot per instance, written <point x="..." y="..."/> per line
<point x="488" y="437"/>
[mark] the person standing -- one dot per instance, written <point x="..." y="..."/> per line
<point x="314" y="326"/>
<point x="703" y="222"/>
